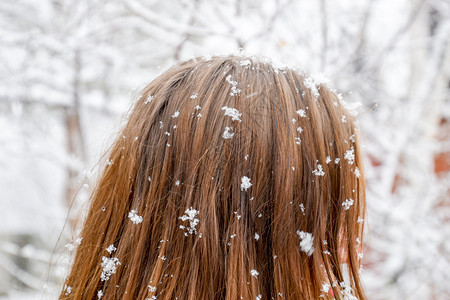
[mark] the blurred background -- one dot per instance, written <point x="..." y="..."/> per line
<point x="70" y="68"/>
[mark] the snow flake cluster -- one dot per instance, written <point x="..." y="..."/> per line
<point x="67" y="289"/>
<point x="109" y="267"/>
<point x="245" y="183"/>
<point x="245" y="62"/>
<point x="149" y="99"/>
<point x="191" y="215"/>
<point x="347" y="291"/>
<point x="347" y="203"/>
<point x="75" y="243"/>
<point x="306" y="242"/>
<point x="319" y="171"/>
<point x="350" y="156"/>
<point x="302" y="208"/>
<point x="352" y="138"/>
<point x="311" y="85"/>
<point x="227" y="134"/>
<point x="111" y="248"/>
<point x="254" y="273"/>
<point x="233" y="113"/>
<point x="301" y="113"/>
<point x="234" y="89"/>
<point x="357" y="172"/>
<point x="325" y="287"/>
<point x="134" y="217"/>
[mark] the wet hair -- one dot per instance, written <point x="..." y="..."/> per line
<point x="232" y="179"/>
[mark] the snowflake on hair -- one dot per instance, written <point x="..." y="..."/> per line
<point x="109" y="267"/>
<point x="350" y="156"/>
<point x="352" y="138"/>
<point x="301" y="113"/>
<point x="149" y="99"/>
<point x="311" y="85"/>
<point x="245" y="183"/>
<point x="134" y="217"/>
<point x="111" y="248"/>
<point x="302" y="208"/>
<point x="347" y="203"/>
<point x="227" y="134"/>
<point x="245" y="63"/>
<point x="233" y="113"/>
<point x="254" y="273"/>
<point x="357" y="172"/>
<point x="67" y="289"/>
<point x="234" y="89"/>
<point x="190" y="215"/>
<point x="319" y="171"/>
<point x="306" y="243"/>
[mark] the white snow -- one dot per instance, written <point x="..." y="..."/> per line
<point x="149" y="99"/>
<point x="319" y="171"/>
<point x="233" y="113"/>
<point x="134" y="217"/>
<point x="109" y="267"/>
<point x="111" y="248"/>
<point x="245" y="183"/>
<point x="301" y="113"/>
<point x="306" y="242"/>
<point x="227" y="134"/>
<point x="311" y="85"/>
<point x="350" y="156"/>
<point x="254" y="273"/>
<point x="234" y="89"/>
<point x="190" y="215"/>
<point x="347" y="203"/>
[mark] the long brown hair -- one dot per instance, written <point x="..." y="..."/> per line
<point x="232" y="179"/>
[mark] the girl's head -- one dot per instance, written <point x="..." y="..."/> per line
<point x="232" y="179"/>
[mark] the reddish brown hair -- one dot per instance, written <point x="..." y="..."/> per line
<point x="232" y="179"/>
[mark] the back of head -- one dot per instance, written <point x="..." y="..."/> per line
<point x="231" y="180"/>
